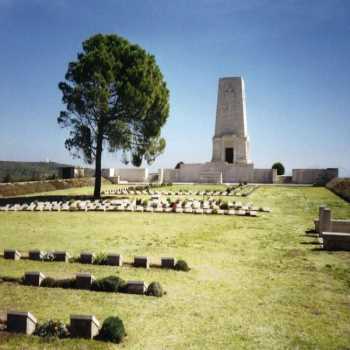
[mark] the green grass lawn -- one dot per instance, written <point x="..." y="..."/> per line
<point x="255" y="283"/>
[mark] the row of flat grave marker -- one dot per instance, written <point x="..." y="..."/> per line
<point x="81" y="326"/>
<point x="83" y="280"/>
<point x="125" y="192"/>
<point x="88" y="258"/>
<point x="157" y="205"/>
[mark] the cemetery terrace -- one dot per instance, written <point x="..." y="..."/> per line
<point x="245" y="273"/>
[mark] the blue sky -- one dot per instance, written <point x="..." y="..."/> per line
<point x="293" y="55"/>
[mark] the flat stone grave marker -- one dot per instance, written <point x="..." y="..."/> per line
<point x="61" y="256"/>
<point x="136" y="287"/>
<point x="12" y="254"/>
<point x="114" y="259"/>
<point x="87" y="257"/>
<point x="84" y="326"/>
<point x="21" y="322"/>
<point x="34" y="278"/>
<point x="141" y="261"/>
<point x="168" y="262"/>
<point x="36" y="254"/>
<point x="84" y="280"/>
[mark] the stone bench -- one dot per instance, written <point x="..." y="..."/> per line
<point x="142" y="261"/>
<point x="336" y="241"/>
<point x="12" y="254"/>
<point x="114" y="260"/>
<point x="84" y="280"/>
<point x="87" y="257"/>
<point x="21" y="322"/>
<point x="61" y="256"/>
<point x="168" y="263"/>
<point x="33" y="278"/>
<point x="36" y="254"/>
<point x="136" y="287"/>
<point x="84" y="326"/>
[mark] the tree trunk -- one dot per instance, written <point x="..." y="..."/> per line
<point x="98" y="165"/>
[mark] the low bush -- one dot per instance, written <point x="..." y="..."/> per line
<point x="108" y="284"/>
<point x="52" y="328"/>
<point x="48" y="257"/>
<point x="48" y="282"/>
<point x="10" y="279"/>
<point x="112" y="330"/>
<point x="155" y="290"/>
<point x="101" y="259"/>
<point x="224" y="206"/>
<point x="181" y="265"/>
<point x="67" y="283"/>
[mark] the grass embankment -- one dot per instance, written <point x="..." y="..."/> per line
<point x="255" y="283"/>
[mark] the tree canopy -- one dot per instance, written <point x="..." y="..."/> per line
<point x="279" y="167"/>
<point x="116" y="98"/>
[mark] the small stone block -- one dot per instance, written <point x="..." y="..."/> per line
<point x="336" y="241"/>
<point x="36" y="254"/>
<point x="84" y="326"/>
<point x="87" y="257"/>
<point x="114" y="259"/>
<point x="168" y="263"/>
<point x="141" y="261"/>
<point x="21" y="322"/>
<point x="136" y="287"/>
<point x="33" y="278"/>
<point x="84" y="280"/>
<point x="61" y="256"/>
<point x="12" y="254"/>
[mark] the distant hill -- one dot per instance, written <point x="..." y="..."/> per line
<point x="28" y="171"/>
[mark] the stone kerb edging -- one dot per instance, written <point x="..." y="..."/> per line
<point x="237" y="191"/>
<point x="81" y="326"/>
<point x="156" y="205"/>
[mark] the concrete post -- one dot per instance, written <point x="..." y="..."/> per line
<point x="325" y="224"/>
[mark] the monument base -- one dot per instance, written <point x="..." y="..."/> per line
<point x="219" y="172"/>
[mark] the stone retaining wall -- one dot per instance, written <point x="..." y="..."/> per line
<point x="21" y="188"/>
<point x="341" y="187"/>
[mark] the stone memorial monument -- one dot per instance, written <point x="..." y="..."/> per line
<point x="231" y="142"/>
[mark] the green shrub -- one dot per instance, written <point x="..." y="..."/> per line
<point x="101" y="259"/>
<point x="215" y="211"/>
<point x="224" y="206"/>
<point x="145" y="202"/>
<point x="10" y="279"/>
<point x="112" y="330"/>
<point x="279" y="167"/>
<point x="48" y="282"/>
<point x="155" y="290"/>
<point x="67" y="283"/>
<point x="52" y="328"/>
<point x="108" y="284"/>
<point x="48" y="257"/>
<point x="181" y="265"/>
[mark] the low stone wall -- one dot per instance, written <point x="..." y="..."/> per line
<point x="132" y="174"/>
<point x="341" y="187"/>
<point x="314" y="176"/>
<point x="21" y="188"/>
<point x="229" y="173"/>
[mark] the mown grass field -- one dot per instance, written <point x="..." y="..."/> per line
<point x="255" y="283"/>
